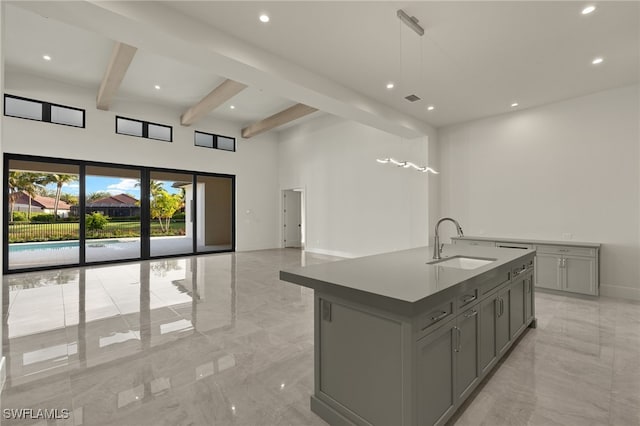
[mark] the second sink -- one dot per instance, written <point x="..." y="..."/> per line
<point x="462" y="262"/>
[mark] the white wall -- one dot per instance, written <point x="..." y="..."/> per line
<point x="354" y="205"/>
<point x="571" y="167"/>
<point x="254" y="163"/>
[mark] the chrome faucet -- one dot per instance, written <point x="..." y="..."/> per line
<point x="437" y="248"/>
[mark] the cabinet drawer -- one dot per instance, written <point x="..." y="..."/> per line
<point x="436" y="316"/>
<point x="476" y="242"/>
<point x="575" y="251"/>
<point x="467" y="298"/>
<point x="489" y="285"/>
<point x="522" y="268"/>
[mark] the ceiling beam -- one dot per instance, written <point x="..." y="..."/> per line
<point x="225" y="91"/>
<point x="155" y="27"/>
<point x="277" y="120"/>
<point x="121" y="57"/>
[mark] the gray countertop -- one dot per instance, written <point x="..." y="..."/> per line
<point x="530" y="241"/>
<point x="402" y="276"/>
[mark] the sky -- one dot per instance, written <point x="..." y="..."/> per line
<point x="111" y="185"/>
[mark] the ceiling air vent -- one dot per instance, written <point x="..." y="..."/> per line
<point x="412" y="98"/>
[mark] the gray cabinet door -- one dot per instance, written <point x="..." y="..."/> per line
<point x="517" y="305"/>
<point x="580" y="274"/>
<point x="528" y="299"/>
<point x="503" y="337"/>
<point x="488" y="310"/>
<point x="435" y="365"/>
<point x="466" y="352"/>
<point x="548" y="273"/>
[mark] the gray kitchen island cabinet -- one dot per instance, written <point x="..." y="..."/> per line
<point x="403" y="340"/>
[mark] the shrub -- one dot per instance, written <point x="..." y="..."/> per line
<point x="19" y="217"/>
<point x="96" y="221"/>
<point x="42" y="218"/>
<point x="178" y="216"/>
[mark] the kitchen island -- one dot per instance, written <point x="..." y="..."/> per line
<point x="401" y="339"/>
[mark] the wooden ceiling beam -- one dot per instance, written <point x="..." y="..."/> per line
<point x="283" y="117"/>
<point x="225" y="91"/>
<point x="121" y="57"/>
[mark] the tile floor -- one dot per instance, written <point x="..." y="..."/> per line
<point x="219" y="340"/>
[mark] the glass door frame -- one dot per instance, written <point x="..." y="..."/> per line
<point x="145" y="213"/>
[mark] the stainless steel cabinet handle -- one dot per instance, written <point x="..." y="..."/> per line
<point x="515" y="274"/>
<point x="471" y="314"/>
<point x="497" y="307"/>
<point x="501" y="306"/>
<point x="468" y="298"/>
<point x="459" y="339"/>
<point x="439" y="317"/>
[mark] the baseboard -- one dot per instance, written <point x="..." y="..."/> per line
<point x="331" y="252"/>
<point x="3" y="373"/>
<point x="619" y="292"/>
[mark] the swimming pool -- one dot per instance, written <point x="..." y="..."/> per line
<point x="62" y="245"/>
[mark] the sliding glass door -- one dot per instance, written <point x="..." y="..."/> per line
<point x="112" y="213"/>
<point x="42" y="226"/>
<point x="70" y="212"/>
<point x="170" y="207"/>
<point x="214" y="213"/>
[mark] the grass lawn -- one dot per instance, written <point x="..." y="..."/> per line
<point x="32" y="232"/>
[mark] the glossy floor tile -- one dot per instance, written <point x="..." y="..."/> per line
<point x="220" y="340"/>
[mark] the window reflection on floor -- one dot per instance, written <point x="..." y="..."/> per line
<point x="87" y="317"/>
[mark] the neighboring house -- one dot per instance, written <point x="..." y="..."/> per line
<point x="40" y="204"/>
<point x="115" y="206"/>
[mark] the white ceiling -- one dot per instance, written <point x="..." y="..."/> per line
<point x="474" y="60"/>
<point x="80" y="57"/>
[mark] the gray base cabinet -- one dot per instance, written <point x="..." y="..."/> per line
<point x="378" y="368"/>
<point x="560" y="265"/>
<point x="436" y="368"/>
<point x="466" y="353"/>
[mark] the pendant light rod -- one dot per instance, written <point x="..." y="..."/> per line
<point x="411" y="22"/>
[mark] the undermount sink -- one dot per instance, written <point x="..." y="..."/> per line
<point x="462" y="262"/>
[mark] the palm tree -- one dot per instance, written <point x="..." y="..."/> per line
<point x="93" y="196"/>
<point x="23" y="182"/>
<point x="59" y="180"/>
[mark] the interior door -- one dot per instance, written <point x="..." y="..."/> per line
<point x="292" y="218"/>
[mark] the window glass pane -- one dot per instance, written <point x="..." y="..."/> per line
<point x="159" y="132"/>
<point x="23" y="109"/>
<point x="228" y="144"/>
<point x="203" y="139"/>
<point x="71" y="117"/>
<point x="128" y="127"/>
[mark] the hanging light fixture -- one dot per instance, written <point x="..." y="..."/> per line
<point x="406" y="165"/>
<point x="411" y="22"/>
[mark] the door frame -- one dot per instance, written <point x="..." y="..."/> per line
<point x="303" y="216"/>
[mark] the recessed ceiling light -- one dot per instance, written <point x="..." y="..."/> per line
<point x="513" y="105"/>
<point x="156" y="87"/>
<point x="232" y="107"/>
<point x="46" y="57"/>
<point x="587" y="10"/>
<point x="264" y="18"/>
<point x="390" y="85"/>
<point x="430" y="108"/>
<point x="597" y="61"/>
